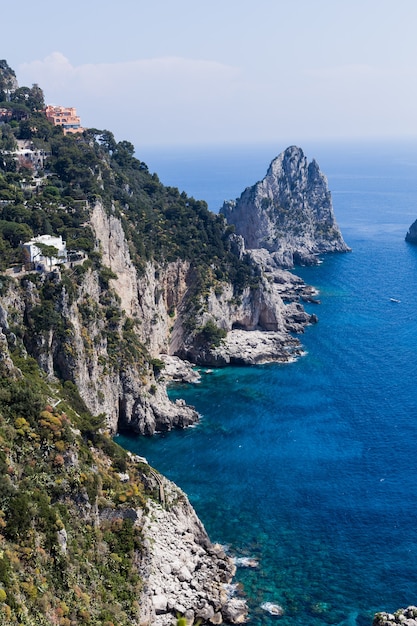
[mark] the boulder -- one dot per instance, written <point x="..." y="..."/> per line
<point x="160" y="603"/>
<point x="235" y="611"/>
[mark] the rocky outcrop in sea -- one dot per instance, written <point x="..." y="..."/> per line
<point x="411" y="235"/>
<point x="261" y="325"/>
<point x="289" y="212"/>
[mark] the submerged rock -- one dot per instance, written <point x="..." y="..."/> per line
<point x="273" y="609"/>
<point x="246" y="561"/>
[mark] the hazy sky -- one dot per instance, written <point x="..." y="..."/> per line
<point x="195" y="72"/>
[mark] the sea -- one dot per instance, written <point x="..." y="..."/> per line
<point x="310" y="468"/>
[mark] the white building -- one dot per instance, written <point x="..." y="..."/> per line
<point x="35" y="252"/>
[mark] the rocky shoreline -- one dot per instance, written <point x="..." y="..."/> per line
<point x="178" y="370"/>
<point x="186" y="575"/>
<point x="405" y="617"/>
<point x="157" y="315"/>
<point x="243" y="347"/>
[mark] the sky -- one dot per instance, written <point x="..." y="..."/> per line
<point x="193" y="72"/>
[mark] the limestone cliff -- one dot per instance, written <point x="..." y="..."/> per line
<point x="258" y="324"/>
<point x="115" y="254"/>
<point x="73" y="323"/>
<point x="289" y="212"/>
<point x="171" y="309"/>
<point x="102" y="327"/>
<point x="8" y="81"/>
<point x="91" y="533"/>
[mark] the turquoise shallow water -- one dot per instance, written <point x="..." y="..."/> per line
<point x="311" y="467"/>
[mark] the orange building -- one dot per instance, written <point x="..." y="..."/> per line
<point x="64" y="116"/>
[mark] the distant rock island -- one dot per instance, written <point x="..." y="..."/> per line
<point x="411" y="236"/>
<point x="289" y="212"/>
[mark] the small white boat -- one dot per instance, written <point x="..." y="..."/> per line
<point x="395" y="300"/>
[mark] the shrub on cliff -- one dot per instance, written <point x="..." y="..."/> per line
<point x="57" y="558"/>
<point x="211" y="334"/>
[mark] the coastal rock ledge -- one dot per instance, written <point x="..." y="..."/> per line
<point x="406" y="617"/>
<point x="186" y="575"/>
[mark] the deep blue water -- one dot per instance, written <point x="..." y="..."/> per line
<point x="311" y="467"/>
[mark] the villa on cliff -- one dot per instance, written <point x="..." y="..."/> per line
<point x="64" y="116"/>
<point x="30" y="156"/>
<point x="37" y="254"/>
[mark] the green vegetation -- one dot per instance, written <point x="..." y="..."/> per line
<point x="54" y="197"/>
<point x="211" y="334"/>
<point x="59" y="562"/>
<point x="54" y="193"/>
<point x="68" y="546"/>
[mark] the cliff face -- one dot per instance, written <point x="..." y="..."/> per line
<point x="101" y="333"/>
<point x="8" y="81"/>
<point x="102" y="327"/>
<point x="111" y="241"/>
<point x="90" y="533"/>
<point x="289" y="212"/>
<point x="259" y="324"/>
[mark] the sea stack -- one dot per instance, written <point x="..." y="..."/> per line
<point x="411" y="236"/>
<point x="289" y="212"/>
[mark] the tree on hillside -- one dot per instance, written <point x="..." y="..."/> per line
<point x="15" y="233"/>
<point x="31" y="97"/>
<point x="106" y="138"/>
<point x="123" y="153"/>
<point x="19" y="110"/>
<point x="7" y="139"/>
<point x="49" y="252"/>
